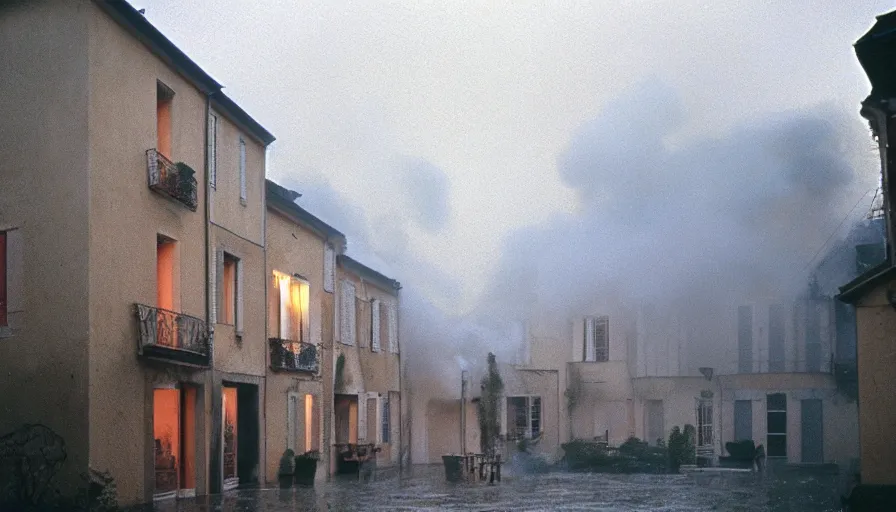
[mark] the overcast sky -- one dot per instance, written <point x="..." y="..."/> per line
<point x="440" y="124"/>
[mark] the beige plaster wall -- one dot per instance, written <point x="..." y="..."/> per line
<point x="44" y="194"/>
<point x="125" y="218"/>
<point x="293" y="249"/>
<point x="839" y="413"/>
<point x="366" y="371"/>
<point x="876" y="323"/>
<point x="544" y="384"/>
<point x="244" y="354"/>
<point x="244" y="220"/>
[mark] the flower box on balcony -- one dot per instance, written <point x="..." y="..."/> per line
<point x="175" y="181"/>
<point x="294" y="356"/>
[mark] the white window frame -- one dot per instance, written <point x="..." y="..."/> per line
<point x="530" y="413"/>
<point x="597" y="348"/>
<point x="285" y="327"/>
<point x="706" y="411"/>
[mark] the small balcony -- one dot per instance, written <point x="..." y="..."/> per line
<point x="172" y="337"/>
<point x="294" y="356"/>
<point x="174" y="181"/>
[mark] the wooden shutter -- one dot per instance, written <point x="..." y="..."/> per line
<point x="291" y="420"/>
<point x="3" y="271"/>
<point x="373" y="418"/>
<point x="347" y="313"/>
<point x="238" y="314"/>
<point x="329" y="267"/>
<point x="361" y="323"/>
<point x="362" y="417"/>
<point x="375" y="325"/>
<point x="393" y="329"/>
<point x="242" y="170"/>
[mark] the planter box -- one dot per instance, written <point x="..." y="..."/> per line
<point x="306" y="468"/>
<point x="454" y="471"/>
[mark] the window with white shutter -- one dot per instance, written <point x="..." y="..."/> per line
<point x="393" y="329"/>
<point x="375" y="325"/>
<point x="347" y="313"/>
<point x="362" y="417"/>
<point x="597" y="339"/>
<point x="329" y="267"/>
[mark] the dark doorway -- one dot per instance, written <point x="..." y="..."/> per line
<point x="247" y="462"/>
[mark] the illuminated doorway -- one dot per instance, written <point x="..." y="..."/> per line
<point x="231" y="479"/>
<point x="174" y="442"/>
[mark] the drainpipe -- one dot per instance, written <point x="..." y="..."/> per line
<point x="264" y="251"/>
<point x="214" y="483"/>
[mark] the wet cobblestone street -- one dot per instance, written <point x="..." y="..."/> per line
<point x="425" y="489"/>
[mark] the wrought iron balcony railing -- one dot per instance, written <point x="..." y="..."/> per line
<point x="172" y="336"/>
<point x="293" y="356"/>
<point x="176" y="181"/>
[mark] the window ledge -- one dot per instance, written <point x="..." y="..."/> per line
<point x="243" y="201"/>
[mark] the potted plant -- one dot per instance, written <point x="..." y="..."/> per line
<point x="287" y="469"/>
<point x="306" y="467"/>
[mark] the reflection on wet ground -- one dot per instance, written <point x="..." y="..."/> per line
<point x="424" y="488"/>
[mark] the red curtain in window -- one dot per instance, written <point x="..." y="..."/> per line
<point x="3" y="278"/>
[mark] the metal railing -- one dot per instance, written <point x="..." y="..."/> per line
<point x="293" y="355"/>
<point x="163" y="328"/>
<point x="176" y="181"/>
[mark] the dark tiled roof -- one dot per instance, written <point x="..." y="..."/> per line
<point x="145" y="32"/>
<point x="283" y="199"/>
<point x="387" y="283"/>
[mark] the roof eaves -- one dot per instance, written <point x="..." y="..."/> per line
<point x="283" y="200"/>
<point x="235" y="113"/>
<point x="145" y="32"/>
<point x="387" y="283"/>
<point x="854" y="290"/>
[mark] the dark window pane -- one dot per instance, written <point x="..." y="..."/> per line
<point x="777" y="402"/>
<point x="777" y="446"/>
<point x="777" y="422"/>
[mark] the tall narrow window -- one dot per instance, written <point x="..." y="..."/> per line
<point x="213" y="149"/>
<point x="375" y="325"/>
<point x="776" y="406"/>
<point x="523" y="417"/>
<point x="776" y="338"/>
<point x="745" y="339"/>
<point x="310" y="422"/>
<point x="534" y="416"/>
<point x="4" y="321"/>
<point x="597" y="339"/>
<point x="387" y="418"/>
<point x="230" y="290"/>
<point x="704" y="422"/>
<point x="164" y="97"/>
<point x="289" y="304"/>
<point x="242" y="171"/>
<point x="166" y="266"/>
